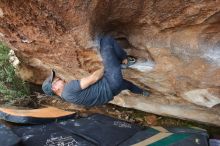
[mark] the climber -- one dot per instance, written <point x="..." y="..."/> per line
<point x="102" y="85"/>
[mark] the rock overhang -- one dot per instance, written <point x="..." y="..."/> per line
<point x="179" y="39"/>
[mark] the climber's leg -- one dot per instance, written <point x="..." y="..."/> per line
<point x="112" y="64"/>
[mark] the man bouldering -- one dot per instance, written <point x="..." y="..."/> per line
<point x="101" y="86"/>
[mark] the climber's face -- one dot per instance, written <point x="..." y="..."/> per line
<point x="58" y="85"/>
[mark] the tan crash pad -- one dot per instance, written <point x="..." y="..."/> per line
<point x="40" y="115"/>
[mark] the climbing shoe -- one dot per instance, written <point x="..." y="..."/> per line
<point x="131" y="61"/>
<point x="145" y="93"/>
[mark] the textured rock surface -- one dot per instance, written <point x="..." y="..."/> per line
<point x="179" y="39"/>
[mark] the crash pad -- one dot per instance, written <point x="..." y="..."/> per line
<point x="93" y="130"/>
<point x="101" y="130"/>
<point x="49" y="135"/>
<point x="34" y="116"/>
<point x="170" y="136"/>
<point x="7" y="137"/>
<point x="214" y="142"/>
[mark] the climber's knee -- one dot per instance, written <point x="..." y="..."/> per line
<point x="106" y="41"/>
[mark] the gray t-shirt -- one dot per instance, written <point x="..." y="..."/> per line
<point x="96" y="94"/>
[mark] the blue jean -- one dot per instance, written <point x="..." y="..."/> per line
<point x="112" y="56"/>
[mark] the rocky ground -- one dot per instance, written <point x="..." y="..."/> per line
<point x="130" y="115"/>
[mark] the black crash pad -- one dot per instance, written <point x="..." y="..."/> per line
<point x="101" y="130"/>
<point x="7" y="137"/>
<point x="49" y="135"/>
<point x="94" y="130"/>
<point x="34" y="116"/>
<point x="214" y="142"/>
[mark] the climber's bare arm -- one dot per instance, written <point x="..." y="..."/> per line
<point x="93" y="78"/>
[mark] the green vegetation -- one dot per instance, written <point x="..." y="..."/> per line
<point x="11" y="87"/>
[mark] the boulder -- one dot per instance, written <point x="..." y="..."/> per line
<point x="177" y="43"/>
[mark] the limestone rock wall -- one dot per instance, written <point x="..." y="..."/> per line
<point x="177" y="42"/>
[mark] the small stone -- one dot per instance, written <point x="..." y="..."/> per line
<point x="130" y="112"/>
<point x="151" y="120"/>
<point x="117" y="111"/>
<point x="126" y="117"/>
<point x="131" y="120"/>
<point x="139" y="119"/>
<point x="25" y="40"/>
